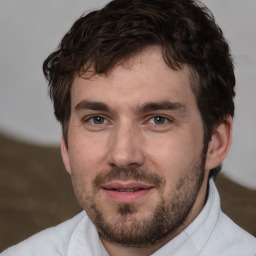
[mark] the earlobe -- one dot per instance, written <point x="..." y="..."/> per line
<point x="65" y="156"/>
<point x="219" y="145"/>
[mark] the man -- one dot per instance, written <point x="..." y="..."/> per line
<point x="144" y="92"/>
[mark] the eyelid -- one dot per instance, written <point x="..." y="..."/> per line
<point x="87" y="118"/>
<point x="147" y="119"/>
<point x="91" y="119"/>
<point x="162" y="117"/>
<point x="167" y="118"/>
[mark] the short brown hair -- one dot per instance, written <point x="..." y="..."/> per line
<point x="186" y="32"/>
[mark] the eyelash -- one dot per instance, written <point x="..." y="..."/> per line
<point x="164" y="120"/>
<point x="93" y="118"/>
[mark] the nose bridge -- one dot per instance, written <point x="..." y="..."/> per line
<point x="125" y="148"/>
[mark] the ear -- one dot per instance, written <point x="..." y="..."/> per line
<point x="219" y="145"/>
<point x="65" y="156"/>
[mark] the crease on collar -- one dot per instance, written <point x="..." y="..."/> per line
<point x="201" y="229"/>
<point x="84" y="239"/>
<point x="194" y="238"/>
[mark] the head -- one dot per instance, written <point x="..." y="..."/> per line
<point x="186" y="33"/>
<point x="103" y="41"/>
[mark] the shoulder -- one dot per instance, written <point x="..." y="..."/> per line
<point x="231" y="239"/>
<point x="52" y="241"/>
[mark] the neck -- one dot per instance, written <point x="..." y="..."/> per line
<point x="116" y="250"/>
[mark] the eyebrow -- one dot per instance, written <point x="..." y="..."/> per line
<point x="98" y="106"/>
<point x="162" y="105"/>
<point x="147" y="107"/>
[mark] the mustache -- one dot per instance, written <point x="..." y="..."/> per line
<point x="125" y="174"/>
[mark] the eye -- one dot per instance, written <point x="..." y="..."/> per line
<point x="158" y="120"/>
<point x="97" y="120"/>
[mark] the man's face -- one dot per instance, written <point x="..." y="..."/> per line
<point x="135" y="150"/>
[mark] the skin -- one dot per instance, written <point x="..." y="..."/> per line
<point x="115" y="137"/>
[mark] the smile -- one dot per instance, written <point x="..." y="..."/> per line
<point x="127" y="190"/>
<point x="132" y="192"/>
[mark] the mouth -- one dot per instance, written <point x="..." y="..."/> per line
<point x="127" y="192"/>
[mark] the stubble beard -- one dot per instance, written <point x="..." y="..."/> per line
<point x="124" y="228"/>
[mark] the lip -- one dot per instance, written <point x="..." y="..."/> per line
<point x="127" y="192"/>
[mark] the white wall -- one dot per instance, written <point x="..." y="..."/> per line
<point x="238" y="21"/>
<point x="31" y="29"/>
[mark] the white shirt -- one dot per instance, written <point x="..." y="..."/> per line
<point x="212" y="233"/>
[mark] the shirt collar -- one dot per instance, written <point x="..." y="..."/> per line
<point x="85" y="240"/>
<point x="193" y="239"/>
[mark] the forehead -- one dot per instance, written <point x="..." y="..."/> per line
<point x="143" y="77"/>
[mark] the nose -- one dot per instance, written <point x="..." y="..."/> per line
<point x="125" y="147"/>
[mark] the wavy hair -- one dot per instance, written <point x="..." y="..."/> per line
<point x="184" y="29"/>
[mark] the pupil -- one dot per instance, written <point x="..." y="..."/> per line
<point x="98" y="120"/>
<point x="159" y="120"/>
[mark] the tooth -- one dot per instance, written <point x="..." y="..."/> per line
<point x="127" y="190"/>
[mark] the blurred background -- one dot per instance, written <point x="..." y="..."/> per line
<point x="35" y="190"/>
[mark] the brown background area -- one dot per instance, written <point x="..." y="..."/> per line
<point x="36" y="193"/>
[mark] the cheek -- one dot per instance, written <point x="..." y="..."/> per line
<point x="173" y="155"/>
<point x="85" y="149"/>
<point x="81" y="158"/>
<point x="172" y="149"/>
<point x="87" y="160"/>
